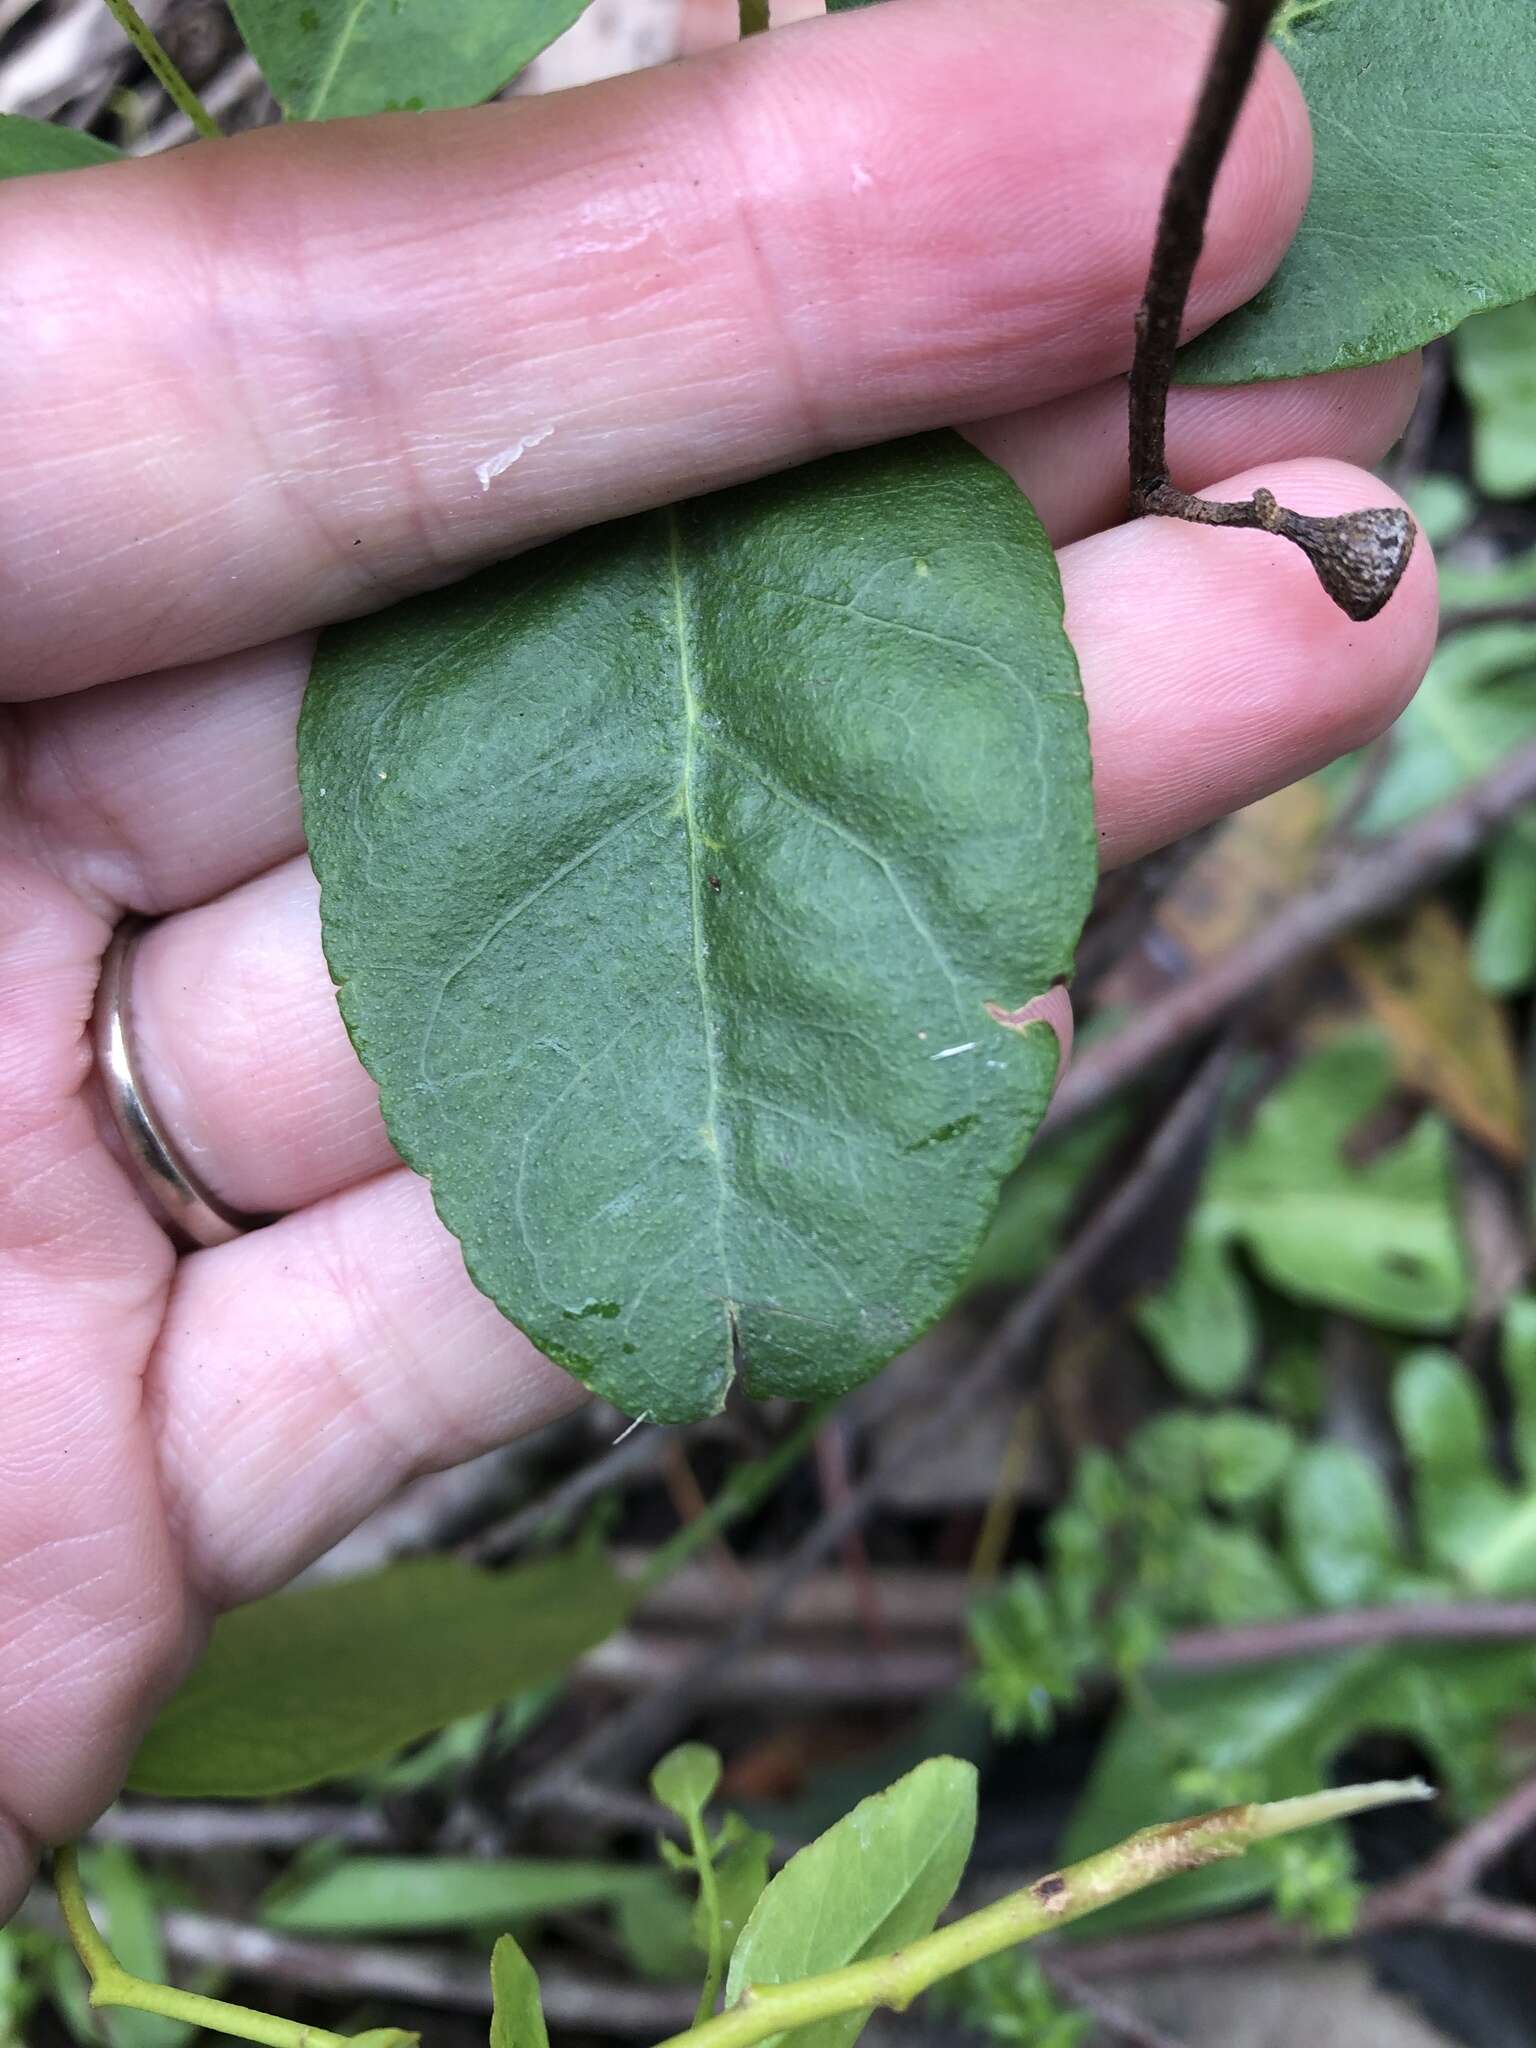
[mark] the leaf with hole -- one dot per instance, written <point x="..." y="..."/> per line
<point x="313" y="1684"/>
<point x="683" y="882"/>
<point x="325" y="58"/>
<point x="1423" y="203"/>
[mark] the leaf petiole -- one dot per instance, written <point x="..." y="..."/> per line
<point x="149" y="47"/>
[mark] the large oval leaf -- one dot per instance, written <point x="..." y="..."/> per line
<point x="324" y="58"/>
<point x="679" y="881"/>
<point x="1423" y="206"/>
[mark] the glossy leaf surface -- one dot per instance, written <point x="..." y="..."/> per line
<point x="682" y="882"/>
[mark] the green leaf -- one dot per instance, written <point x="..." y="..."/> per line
<point x="324" y="58"/>
<point x="681" y="881"/>
<point x="1245" y="1456"/>
<point x="426" y="1894"/>
<point x="879" y="1878"/>
<point x="1518" y="1358"/>
<point x="656" y="1927"/>
<point x="1470" y="1519"/>
<point x="1423" y="206"/>
<point x="1341" y="1532"/>
<point x="517" y="2011"/>
<point x="1443" y="505"/>
<point x="1476" y="706"/>
<point x="1496" y="368"/>
<point x="741" y="1876"/>
<point x="313" y="1684"/>
<point x="1202" y="1324"/>
<point x="684" y="1781"/>
<point x="1038" y="1202"/>
<point x="1377" y="1239"/>
<point x="1275" y="1730"/>
<point x="1504" y="937"/>
<point x="1226" y="1576"/>
<point x="28" y="146"/>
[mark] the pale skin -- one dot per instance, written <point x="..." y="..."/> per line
<point x="245" y="390"/>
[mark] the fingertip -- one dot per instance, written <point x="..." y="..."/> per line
<point x="18" y="1862"/>
<point x="1216" y="667"/>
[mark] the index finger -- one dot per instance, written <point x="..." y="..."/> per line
<point x="262" y="384"/>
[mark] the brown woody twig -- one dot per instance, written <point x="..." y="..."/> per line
<point x="1369" y="884"/>
<point x="1359" y="556"/>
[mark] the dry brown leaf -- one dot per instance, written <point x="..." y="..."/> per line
<point x="1450" y="1040"/>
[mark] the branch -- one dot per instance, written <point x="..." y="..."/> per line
<point x="144" y="40"/>
<point x="1359" y="556"/>
<point x="1440" y="1893"/>
<point x="112" y="1985"/>
<point x="1368" y="885"/>
<point x="1144" y="1859"/>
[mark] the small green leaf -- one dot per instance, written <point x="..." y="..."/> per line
<point x="1341" y="1532"/>
<point x="427" y="1894"/>
<point x="1245" y="1456"/>
<point x="1470" y="1519"/>
<point x="313" y="1684"/>
<point x="1518" y="1358"/>
<point x="1496" y="368"/>
<point x="741" y="1876"/>
<point x="324" y="58"/>
<point x="682" y="881"/>
<point x="1202" y="1324"/>
<point x="656" y="1926"/>
<point x="1443" y="505"/>
<point x="1377" y="1239"/>
<point x="879" y="1878"/>
<point x="28" y="146"/>
<point x="517" y="2011"/>
<point x="684" y="1781"/>
<point x="1476" y="706"/>
<point x="1423" y="206"/>
<point x="1226" y="1576"/>
<point x="1504" y="937"/>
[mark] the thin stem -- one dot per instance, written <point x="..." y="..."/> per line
<point x="145" y="41"/>
<point x="1051" y="1902"/>
<point x="112" y="1985"/>
<point x="709" y="1898"/>
<point x="753" y="15"/>
<point x="1359" y="556"/>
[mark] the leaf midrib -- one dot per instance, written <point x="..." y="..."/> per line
<point x="328" y="76"/>
<point x="712" y="1133"/>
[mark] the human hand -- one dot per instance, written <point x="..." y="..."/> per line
<point x="244" y="390"/>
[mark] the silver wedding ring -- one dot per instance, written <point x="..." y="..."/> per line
<point x="187" y="1205"/>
